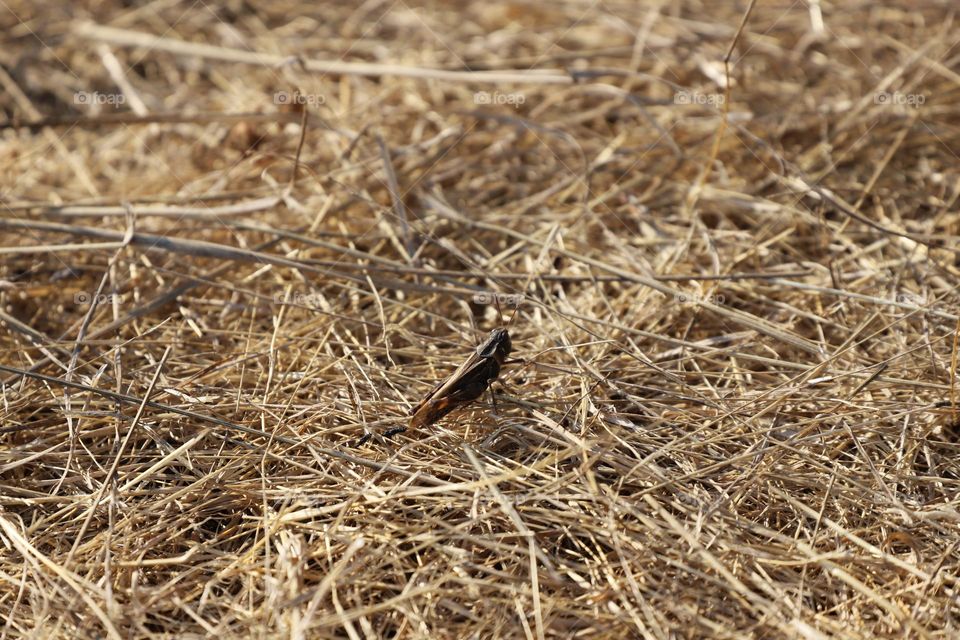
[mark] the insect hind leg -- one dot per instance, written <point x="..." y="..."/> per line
<point x="389" y="433"/>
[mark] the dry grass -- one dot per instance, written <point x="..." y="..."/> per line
<point x="739" y="314"/>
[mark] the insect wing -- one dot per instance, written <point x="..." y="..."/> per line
<point x="467" y="388"/>
<point x="444" y="387"/>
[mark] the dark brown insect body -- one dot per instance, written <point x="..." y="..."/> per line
<point x="467" y="383"/>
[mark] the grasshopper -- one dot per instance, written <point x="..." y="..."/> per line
<point x="467" y="383"/>
<point x="464" y="385"/>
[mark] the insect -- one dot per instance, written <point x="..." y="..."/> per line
<point x="467" y="383"/>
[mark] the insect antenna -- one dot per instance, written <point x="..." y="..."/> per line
<point x="521" y="295"/>
<point x="496" y="302"/>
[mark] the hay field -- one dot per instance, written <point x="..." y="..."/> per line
<point x="236" y="238"/>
